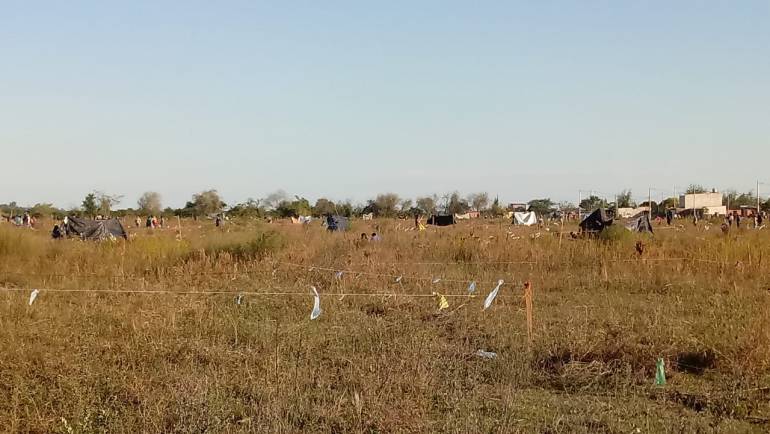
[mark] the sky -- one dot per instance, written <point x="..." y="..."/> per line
<point x="346" y="99"/>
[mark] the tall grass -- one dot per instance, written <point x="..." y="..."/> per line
<point x="105" y="362"/>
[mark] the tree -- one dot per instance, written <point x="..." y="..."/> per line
<point x="541" y="206"/>
<point x="45" y="209"/>
<point x="105" y="202"/>
<point x="667" y="203"/>
<point x="496" y="210"/>
<point x="250" y="208"/>
<point x="345" y="209"/>
<point x="273" y="199"/>
<point x="426" y="204"/>
<point x="295" y="208"/>
<point x="405" y="205"/>
<point x="592" y="202"/>
<point x="386" y="204"/>
<point x="736" y="200"/>
<point x="695" y="188"/>
<point x="207" y="202"/>
<point x="454" y="204"/>
<point x="150" y="203"/>
<point x="625" y="200"/>
<point x="324" y="206"/>
<point x="90" y="207"/>
<point x="479" y="201"/>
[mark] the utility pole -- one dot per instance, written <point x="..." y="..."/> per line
<point x="649" y="201"/>
<point x="757" y="199"/>
<point x="580" y="199"/>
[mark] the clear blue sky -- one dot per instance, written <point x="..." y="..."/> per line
<point x="349" y="99"/>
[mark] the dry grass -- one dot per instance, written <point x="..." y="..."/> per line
<point x="159" y="362"/>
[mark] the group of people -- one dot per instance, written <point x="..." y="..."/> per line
<point x="25" y="220"/>
<point x="151" y="222"/>
<point x="373" y="237"/>
<point x="759" y="219"/>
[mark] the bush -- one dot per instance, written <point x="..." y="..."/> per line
<point x="616" y="233"/>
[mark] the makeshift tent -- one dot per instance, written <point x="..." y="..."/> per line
<point x="441" y="220"/>
<point x="640" y="223"/>
<point x="95" y="229"/>
<point x="301" y="220"/>
<point x="596" y="221"/>
<point x="336" y="223"/>
<point x="525" y="218"/>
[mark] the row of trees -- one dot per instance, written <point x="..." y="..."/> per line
<point x="280" y="204"/>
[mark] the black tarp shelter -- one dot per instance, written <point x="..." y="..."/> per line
<point x="95" y="229"/>
<point x="596" y="221"/>
<point x="441" y="220"/>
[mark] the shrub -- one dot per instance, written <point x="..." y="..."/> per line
<point x="616" y="233"/>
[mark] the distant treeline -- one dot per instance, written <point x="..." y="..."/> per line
<point x="281" y="205"/>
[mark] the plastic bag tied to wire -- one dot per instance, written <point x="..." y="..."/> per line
<point x="33" y="296"/>
<point x="486" y="354"/>
<point x="316" y="312"/>
<point x="492" y="295"/>
<point x="472" y="287"/>
<point x="442" y="301"/>
<point x="660" y="373"/>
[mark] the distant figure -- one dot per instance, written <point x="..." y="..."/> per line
<point x="725" y="228"/>
<point x="730" y="219"/>
<point x="218" y="221"/>
<point x="148" y="223"/>
<point x="154" y="222"/>
<point x="738" y="221"/>
<point x="669" y="216"/>
<point x="138" y="222"/>
<point x="759" y="220"/>
<point x="364" y="237"/>
<point x="26" y="220"/>
<point x="375" y="237"/>
<point x="57" y="232"/>
<point x="331" y="224"/>
<point x="640" y="247"/>
<point x="417" y="221"/>
<point x="162" y="221"/>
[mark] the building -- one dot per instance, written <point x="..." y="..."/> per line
<point x="710" y="202"/>
<point x="631" y="212"/>
<point x="518" y="207"/>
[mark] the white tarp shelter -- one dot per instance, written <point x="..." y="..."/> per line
<point x="525" y="218"/>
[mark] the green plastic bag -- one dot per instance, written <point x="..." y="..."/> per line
<point x="660" y="373"/>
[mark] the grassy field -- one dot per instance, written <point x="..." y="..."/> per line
<point x="91" y="356"/>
